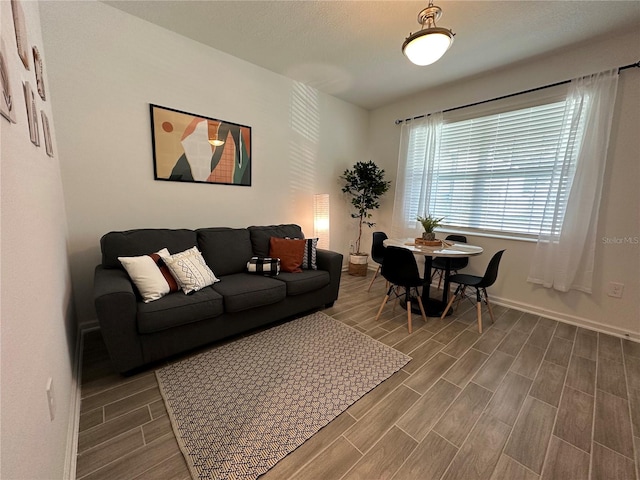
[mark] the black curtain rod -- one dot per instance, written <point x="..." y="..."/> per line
<point x="399" y="121"/>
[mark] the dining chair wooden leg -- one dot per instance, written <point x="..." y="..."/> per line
<point x="486" y="299"/>
<point x="407" y="299"/>
<point x="449" y="292"/>
<point x="384" y="302"/>
<point x="422" y="312"/>
<point x="439" y="279"/>
<point x="444" y="314"/>
<point x="374" y="277"/>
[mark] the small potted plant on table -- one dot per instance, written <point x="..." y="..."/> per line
<point x="365" y="184"/>
<point x="429" y="223"/>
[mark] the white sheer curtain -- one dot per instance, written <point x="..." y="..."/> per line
<point x="419" y="143"/>
<point x="564" y="255"/>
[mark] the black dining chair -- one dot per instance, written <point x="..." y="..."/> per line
<point x="400" y="269"/>
<point x="377" y="253"/>
<point x="480" y="284"/>
<point x="439" y="264"/>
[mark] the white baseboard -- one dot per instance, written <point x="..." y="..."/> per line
<point x="74" y="417"/>
<point x="76" y="387"/>
<point x="566" y="318"/>
<point x="561" y="317"/>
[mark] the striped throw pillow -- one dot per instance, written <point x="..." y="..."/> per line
<point x="310" y="253"/>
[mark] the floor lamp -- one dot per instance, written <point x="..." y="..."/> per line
<point x="321" y="219"/>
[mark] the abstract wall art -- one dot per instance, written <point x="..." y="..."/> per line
<point x="193" y="148"/>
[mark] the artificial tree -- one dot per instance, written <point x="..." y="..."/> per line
<point x="365" y="184"/>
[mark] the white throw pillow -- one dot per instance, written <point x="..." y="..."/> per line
<point x="147" y="276"/>
<point x="190" y="270"/>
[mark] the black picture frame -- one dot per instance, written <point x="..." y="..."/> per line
<point x="198" y="149"/>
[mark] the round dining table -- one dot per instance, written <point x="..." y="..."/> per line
<point x="434" y="307"/>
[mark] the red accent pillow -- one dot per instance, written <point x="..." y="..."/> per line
<point x="289" y="251"/>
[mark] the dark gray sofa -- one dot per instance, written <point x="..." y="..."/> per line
<point x="138" y="333"/>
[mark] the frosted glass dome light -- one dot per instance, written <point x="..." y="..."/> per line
<point x="430" y="43"/>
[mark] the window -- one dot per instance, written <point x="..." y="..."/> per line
<point x="492" y="172"/>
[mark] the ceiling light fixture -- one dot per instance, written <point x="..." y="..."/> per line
<point x="431" y="42"/>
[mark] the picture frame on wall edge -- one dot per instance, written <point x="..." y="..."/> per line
<point x="7" y="99"/>
<point x="46" y="133"/>
<point x="37" y="66"/>
<point x="32" y="113"/>
<point x="21" y="32"/>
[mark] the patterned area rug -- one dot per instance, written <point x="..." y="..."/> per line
<point x="240" y="408"/>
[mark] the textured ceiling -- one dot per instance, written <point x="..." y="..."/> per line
<point x="351" y="49"/>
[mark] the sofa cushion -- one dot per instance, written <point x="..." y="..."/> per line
<point x="307" y="281"/>
<point x="133" y="243"/>
<point x="178" y="309"/>
<point x="260" y="236"/>
<point x="226" y="250"/>
<point x="242" y="291"/>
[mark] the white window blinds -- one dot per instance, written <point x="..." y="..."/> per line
<point x="494" y="172"/>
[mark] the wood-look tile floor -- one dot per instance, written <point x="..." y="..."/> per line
<point x="530" y="398"/>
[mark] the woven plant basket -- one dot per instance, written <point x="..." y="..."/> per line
<point x="358" y="265"/>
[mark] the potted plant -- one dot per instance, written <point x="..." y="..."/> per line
<point x="365" y="184"/>
<point x="429" y="223"/>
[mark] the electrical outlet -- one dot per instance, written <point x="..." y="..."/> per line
<point x="615" y="289"/>
<point x="51" y="399"/>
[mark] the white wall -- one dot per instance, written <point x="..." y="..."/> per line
<point x="107" y="66"/>
<point x="38" y="326"/>
<point x="104" y="68"/>
<point x="620" y="208"/>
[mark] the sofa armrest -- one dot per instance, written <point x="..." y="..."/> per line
<point x="331" y="262"/>
<point x="116" y="307"/>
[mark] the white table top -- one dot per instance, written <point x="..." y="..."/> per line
<point x="457" y="250"/>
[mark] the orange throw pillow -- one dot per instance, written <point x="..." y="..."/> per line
<point x="289" y="251"/>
